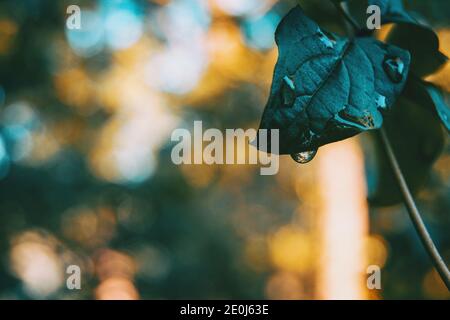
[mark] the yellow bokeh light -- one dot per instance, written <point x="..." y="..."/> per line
<point x="8" y="30"/>
<point x="284" y="286"/>
<point x="291" y="250"/>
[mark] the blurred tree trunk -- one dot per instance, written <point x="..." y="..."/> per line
<point x="343" y="221"/>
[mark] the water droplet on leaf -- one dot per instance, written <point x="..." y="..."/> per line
<point x="287" y="92"/>
<point x="288" y="81"/>
<point x="381" y="102"/>
<point x="329" y="43"/>
<point x="394" y="68"/>
<point x="362" y="120"/>
<point x="304" y="157"/>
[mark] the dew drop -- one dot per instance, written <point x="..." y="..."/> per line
<point x="288" y="81"/>
<point x="304" y="157"/>
<point x="362" y="120"/>
<point x="329" y="43"/>
<point x="287" y="92"/>
<point x="381" y="102"/>
<point x="394" y="68"/>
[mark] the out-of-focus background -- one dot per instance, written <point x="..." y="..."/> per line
<point x="86" y="176"/>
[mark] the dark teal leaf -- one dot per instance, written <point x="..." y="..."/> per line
<point x="435" y="11"/>
<point x="410" y="32"/>
<point x="432" y="97"/>
<point x="392" y="11"/>
<point x="441" y="101"/>
<point x="423" y="44"/>
<point x="417" y="139"/>
<point x="327" y="88"/>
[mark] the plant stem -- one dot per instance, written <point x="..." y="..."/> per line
<point x="343" y="9"/>
<point x="414" y="213"/>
